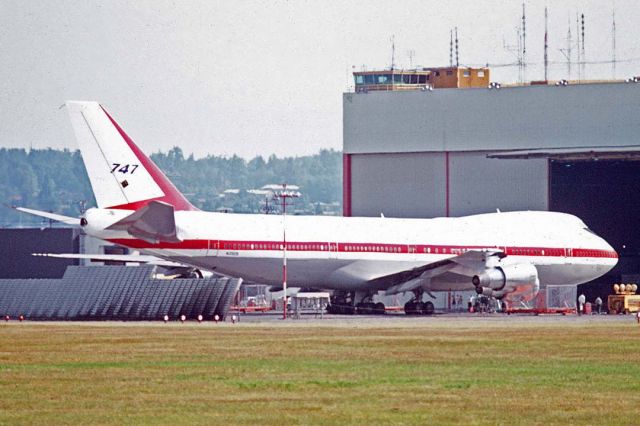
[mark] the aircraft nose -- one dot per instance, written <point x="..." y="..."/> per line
<point x="610" y="257"/>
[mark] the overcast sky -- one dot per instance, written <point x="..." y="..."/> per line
<point x="259" y="77"/>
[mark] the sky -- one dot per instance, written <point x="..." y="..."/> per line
<point x="262" y="77"/>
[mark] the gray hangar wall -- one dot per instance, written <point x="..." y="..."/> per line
<point x="415" y="185"/>
<point x="424" y="153"/>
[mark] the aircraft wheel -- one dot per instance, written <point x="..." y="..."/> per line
<point x="428" y="308"/>
<point x="410" y="308"/>
<point x="379" y="308"/>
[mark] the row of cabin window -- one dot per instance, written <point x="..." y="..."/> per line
<point x="595" y="253"/>
<point x="248" y="246"/>
<point x="524" y="252"/>
<point x="274" y="246"/>
<point x="380" y="249"/>
<point x="535" y="252"/>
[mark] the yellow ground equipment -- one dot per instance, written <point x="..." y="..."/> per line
<point x="625" y="299"/>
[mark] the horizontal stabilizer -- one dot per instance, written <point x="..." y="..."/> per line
<point x="67" y="220"/>
<point x="154" y="223"/>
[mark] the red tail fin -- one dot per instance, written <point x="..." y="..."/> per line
<point x="171" y="194"/>
<point x="121" y="175"/>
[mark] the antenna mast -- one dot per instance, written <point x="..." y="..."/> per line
<point x="582" y="47"/>
<point x="578" y="47"/>
<point x="520" y="48"/>
<point x="451" y="48"/>
<point x="567" y="51"/>
<point x="524" y="43"/>
<point x="546" y="45"/>
<point x="613" y="41"/>
<point x="393" y="52"/>
<point x="457" y="63"/>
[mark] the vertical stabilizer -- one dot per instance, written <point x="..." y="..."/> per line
<point x="121" y="175"/>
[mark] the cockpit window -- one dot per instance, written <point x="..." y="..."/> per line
<point x="591" y="232"/>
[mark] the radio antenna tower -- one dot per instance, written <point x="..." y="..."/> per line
<point x="567" y="51"/>
<point x="520" y="48"/>
<point x="546" y="45"/>
<point x="451" y="48"/>
<point x="584" y="57"/>
<point x="393" y="52"/>
<point x="523" y="63"/>
<point x="457" y="62"/>
<point x="578" y="47"/>
<point x="613" y="41"/>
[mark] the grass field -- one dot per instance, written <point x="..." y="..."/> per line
<point x="429" y="370"/>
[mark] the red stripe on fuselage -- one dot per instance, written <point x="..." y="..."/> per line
<point x="171" y="194"/>
<point x="317" y="246"/>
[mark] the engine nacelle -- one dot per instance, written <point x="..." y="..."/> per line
<point x="517" y="282"/>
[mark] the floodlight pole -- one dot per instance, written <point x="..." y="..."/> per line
<point x="284" y="251"/>
<point x="284" y="195"/>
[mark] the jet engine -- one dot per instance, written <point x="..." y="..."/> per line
<point x="517" y="282"/>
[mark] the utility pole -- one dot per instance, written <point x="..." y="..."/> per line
<point x="284" y="195"/>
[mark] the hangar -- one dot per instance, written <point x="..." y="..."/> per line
<point x="562" y="146"/>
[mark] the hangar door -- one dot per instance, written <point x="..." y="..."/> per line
<point x="606" y="195"/>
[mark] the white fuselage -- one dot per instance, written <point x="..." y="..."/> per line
<point x="347" y="253"/>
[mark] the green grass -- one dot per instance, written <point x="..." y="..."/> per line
<point x="396" y="372"/>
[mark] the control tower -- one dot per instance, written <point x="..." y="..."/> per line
<point x="422" y="78"/>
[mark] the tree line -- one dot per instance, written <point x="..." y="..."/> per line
<point x="56" y="180"/>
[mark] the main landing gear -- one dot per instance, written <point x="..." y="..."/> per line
<point x="368" y="307"/>
<point x="344" y="303"/>
<point x="416" y="306"/>
<point x="341" y="303"/>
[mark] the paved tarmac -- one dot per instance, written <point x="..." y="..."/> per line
<point x="457" y="320"/>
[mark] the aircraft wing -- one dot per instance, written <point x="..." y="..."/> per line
<point x="68" y="220"/>
<point x="134" y="258"/>
<point x="468" y="263"/>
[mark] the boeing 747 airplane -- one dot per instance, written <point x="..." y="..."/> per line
<point x="507" y="255"/>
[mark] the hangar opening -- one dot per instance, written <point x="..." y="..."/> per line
<point x="604" y="193"/>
